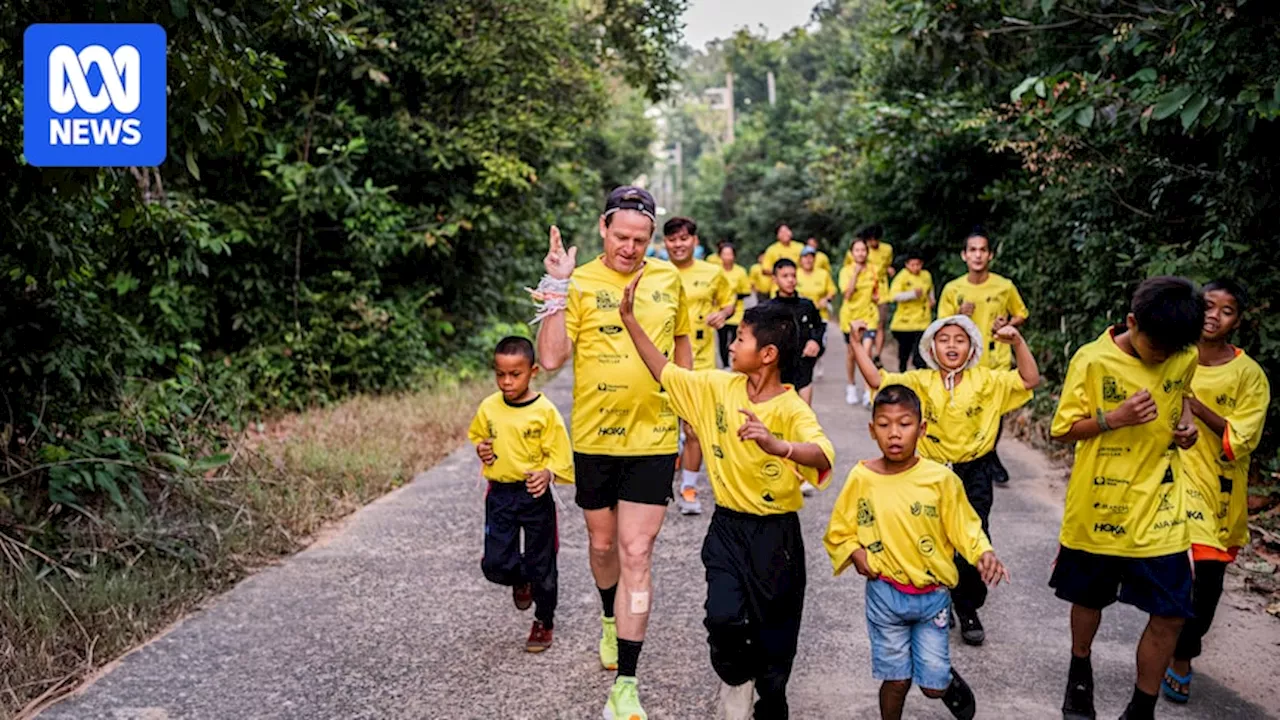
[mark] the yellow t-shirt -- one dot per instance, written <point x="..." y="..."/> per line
<point x="822" y="262"/>
<point x="777" y="251"/>
<point x="527" y="436"/>
<point x="1217" y="469"/>
<point x="739" y="285"/>
<point x="744" y="477"/>
<point x="992" y="299"/>
<point x="963" y="423"/>
<point x="911" y="524"/>
<point x="760" y="282"/>
<point x="816" y="285"/>
<point x="705" y="291"/>
<point x="618" y="408"/>
<point x="911" y="315"/>
<point x="1125" y="497"/>
<point x="860" y="306"/>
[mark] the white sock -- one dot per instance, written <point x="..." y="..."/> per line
<point x="688" y="479"/>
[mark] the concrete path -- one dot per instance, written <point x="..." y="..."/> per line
<point x="391" y="618"/>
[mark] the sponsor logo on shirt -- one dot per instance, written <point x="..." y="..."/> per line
<point x="722" y="425"/>
<point x="926" y="545"/>
<point x="662" y="296"/>
<point x="1118" y="509"/>
<point x="876" y="547"/>
<point x="616" y="431"/>
<point x="772" y="470"/>
<point x="1111" y="390"/>
<point x="866" y="518"/>
<point x="974" y="411"/>
<point x="1195" y="515"/>
<point x="1165" y="505"/>
<point x="1109" y="482"/>
<point x="1225" y="400"/>
<point x="1171" y="385"/>
<point x="609" y="387"/>
<point x="928" y="510"/>
<point x="1116" y="530"/>
<point x="715" y="450"/>
<point x="1113" y="451"/>
<point x="661" y="429"/>
<point x="610" y="329"/>
<point x="614" y="411"/>
<point x="1166" y="524"/>
<point x="665" y="410"/>
<point x="611" y="358"/>
<point x="607" y="300"/>
<point x="532" y="433"/>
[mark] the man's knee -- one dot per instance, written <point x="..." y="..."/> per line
<point x="603" y="544"/>
<point x="1166" y="626"/>
<point x="636" y="551"/>
<point x="933" y="692"/>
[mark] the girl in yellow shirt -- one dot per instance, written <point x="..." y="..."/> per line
<point x="861" y="290"/>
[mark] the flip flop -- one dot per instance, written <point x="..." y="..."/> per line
<point x="1178" y="696"/>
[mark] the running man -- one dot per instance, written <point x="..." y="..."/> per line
<point x="624" y="430"/>
<point x="785" y="247"/>
<point x="711" y="301"/>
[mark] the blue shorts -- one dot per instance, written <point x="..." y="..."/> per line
<point x="909" y="635"/>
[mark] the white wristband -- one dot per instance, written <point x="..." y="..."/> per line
<point x="550" y="297"/>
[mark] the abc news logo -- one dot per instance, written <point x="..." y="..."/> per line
<point x="94" y="95"/>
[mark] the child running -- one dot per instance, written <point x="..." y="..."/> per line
<point x="963" y="402"/>
<point x="913" y="292"/>
<point x="1230" y="407"/>
<point x="898" y="521"/>
<point x="522" y="441"/>
<point x="861" y="288"/>
<point x="1126" y="402"/>
<point x="764" y="441"/>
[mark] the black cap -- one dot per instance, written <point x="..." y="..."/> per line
<point x="629" y="197"/>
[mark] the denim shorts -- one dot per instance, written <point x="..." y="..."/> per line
<point x="909" y="635"/>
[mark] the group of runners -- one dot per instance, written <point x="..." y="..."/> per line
<point x="1162" y="410"/>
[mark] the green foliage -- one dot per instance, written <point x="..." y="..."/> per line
<point x="355" y="194"/>
<point x="1099" y="143"/>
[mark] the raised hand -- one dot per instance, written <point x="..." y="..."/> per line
<point x="627" y="308"/>
<point x="1138" y="409"/>
<point x="857" y="328"/>
<point x="1007" y="334"/>
<point x="754" y="429"/>
<point x="559" y="264"/>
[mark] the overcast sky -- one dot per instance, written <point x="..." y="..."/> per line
<point x="707" y="20"/>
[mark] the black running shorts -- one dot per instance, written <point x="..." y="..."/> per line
<point x="603" y="480"/>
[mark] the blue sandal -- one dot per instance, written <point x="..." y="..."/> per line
<point x="1184" y="682"/>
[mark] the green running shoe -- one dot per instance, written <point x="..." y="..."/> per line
<point x="624" y="701"/>
<point x="608" y="643"/>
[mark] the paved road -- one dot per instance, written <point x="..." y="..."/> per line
<point x="391" y="618"/>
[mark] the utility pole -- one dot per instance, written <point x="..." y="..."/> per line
<point x="729" y="104"/>
<point x="773" y="91"/>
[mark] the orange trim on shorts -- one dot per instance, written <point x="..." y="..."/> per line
<point x="1208" y="552"/>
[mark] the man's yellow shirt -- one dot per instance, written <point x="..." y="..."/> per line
<point x="618" y="408"/>
<point x="744" y="477"/>
<point x="1217" y="468"/>
<point x="911" y="524"/>
<point x="1126" y="493"/>
<point x="997" y="297"/>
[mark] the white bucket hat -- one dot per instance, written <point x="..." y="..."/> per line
<point x="975" y="346"/>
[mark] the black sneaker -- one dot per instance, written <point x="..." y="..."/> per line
<point x="1078" y="702"/>
<point x="971" y="630"/>
<point x="959" y="698"/>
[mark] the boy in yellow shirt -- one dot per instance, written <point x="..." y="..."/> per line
<point x="522" y="441"/>
<point x="963" y="403"/>
<point x="898" y="522"/>
<point x="765" y="441"/>
<point x="1126" y="401"/>
<point x="1230" y="407"/>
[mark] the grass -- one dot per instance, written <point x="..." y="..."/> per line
<point x="121" y="578"/>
